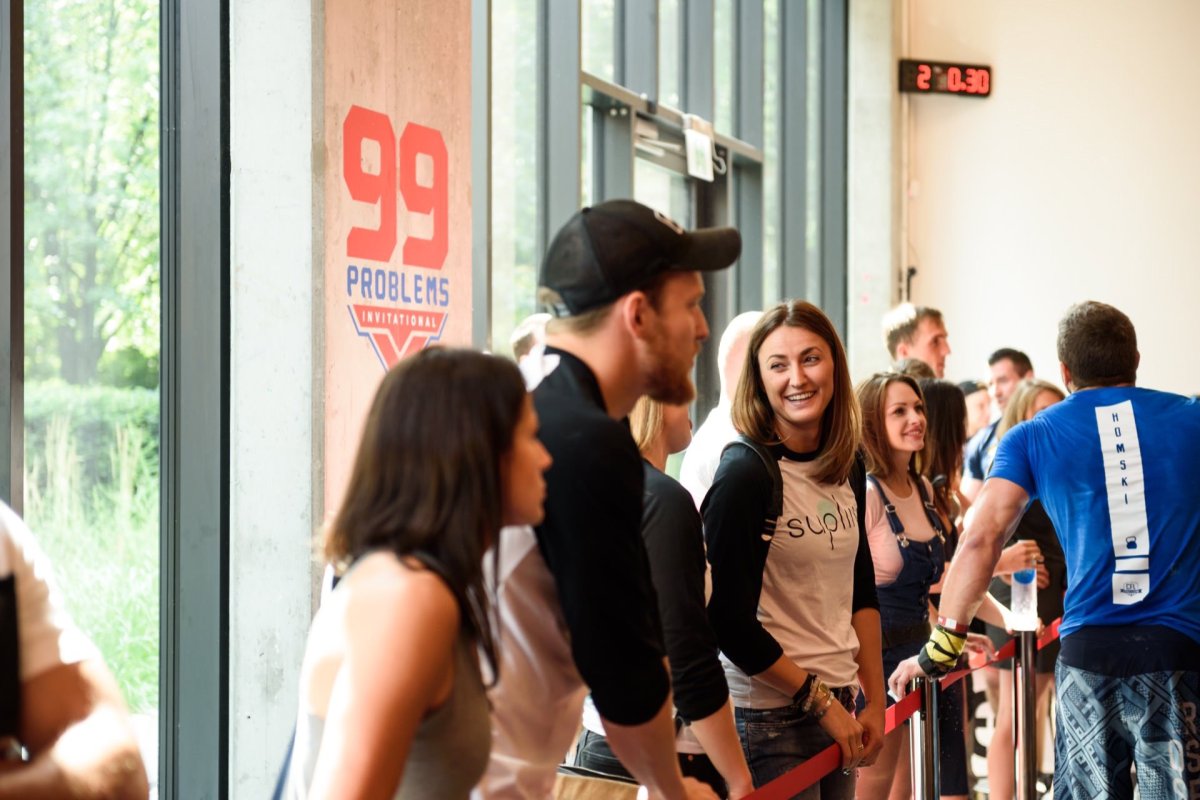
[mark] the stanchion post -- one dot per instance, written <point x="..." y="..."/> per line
<point x="923" y="741"/>
<point x="1025" y="714"/>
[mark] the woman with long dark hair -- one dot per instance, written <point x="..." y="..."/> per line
<point x="391" y="699"/>
<point x="946" y="427"/>
<point x="793" y="602"/>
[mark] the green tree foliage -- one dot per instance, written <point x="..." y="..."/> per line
<point x="91" y="190"/>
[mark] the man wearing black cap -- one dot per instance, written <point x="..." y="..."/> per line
<point x="577" y="608"/>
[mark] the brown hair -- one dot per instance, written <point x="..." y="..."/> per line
<point x="426" y="478"/>
<point x="1098" y="344"/>
<point x="872" y="397"/>
<point x="1022" y="401"/>
<point x="945" y="435"/>
<point x="1021" y="363"/>
<point x="840" y="426"/>
<point x="915" y="368"/>
<point x="646" y="422"/>
<point x="901" y="323"/>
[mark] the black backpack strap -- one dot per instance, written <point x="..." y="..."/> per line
<point x="10" y="663"/>
<point x="858" y="482"/>
<point x="772" y="467"/>
<point x="889" y="508"/>
<point x="935" y="519"/>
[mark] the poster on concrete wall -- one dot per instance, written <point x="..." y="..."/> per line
<point x="397" y="166"/>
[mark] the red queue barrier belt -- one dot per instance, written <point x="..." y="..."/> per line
<point x="797" y="780"/>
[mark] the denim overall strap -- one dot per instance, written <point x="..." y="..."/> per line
<point x="903" y="603"/>
<point x="935" y="519"/>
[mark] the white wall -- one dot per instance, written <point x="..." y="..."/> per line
<point x="274" y="190"/>
<point x="1079" y="178"/>
<point x="873" y="175"/>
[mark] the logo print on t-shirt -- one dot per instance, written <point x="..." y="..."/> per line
<point x="829" y="518"/>
<point x="1126" y="487"/>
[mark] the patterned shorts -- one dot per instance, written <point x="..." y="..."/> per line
<point x="1107" y="725"/>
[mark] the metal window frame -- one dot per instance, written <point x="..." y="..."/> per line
<point x="698" y="79"/>
<point x="834" y="109"/>
<point x="12" y="246"/>
<point x="481" y="173"/>
<point x="617" y="108"/>
<point x="635" y="46"/>
<point x="195" y="174"/>
<point x="559" y="114"/>
<point x="793" y="148"/>
<point x="747" y="185"/>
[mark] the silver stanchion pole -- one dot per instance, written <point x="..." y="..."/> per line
<point x="1025" y="714"/>
<point x="923" y="741"/>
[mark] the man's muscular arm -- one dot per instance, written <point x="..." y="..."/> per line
<point x="994" y="516"/>
<point x="77" y="731"/>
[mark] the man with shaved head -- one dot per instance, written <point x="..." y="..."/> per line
<point x="702" y="456"/>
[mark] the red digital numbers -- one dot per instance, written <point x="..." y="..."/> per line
<point x="977" y="81"/>
<point x="924" y="73"/>
<point x="974" y="82"/>
<point x="954" y="81"/>
<point x="380" y="188"/>
<point x="938" y="77"/>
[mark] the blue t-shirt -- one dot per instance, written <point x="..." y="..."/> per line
<point x="1118" y="471"/>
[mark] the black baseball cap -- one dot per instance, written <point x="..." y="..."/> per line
<point x="618" y="246"/>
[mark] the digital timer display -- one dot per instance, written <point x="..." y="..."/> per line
<point x="939" y="77"/>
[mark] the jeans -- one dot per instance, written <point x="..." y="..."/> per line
<point x="776" y="740"/>
<point x="593" y="752"/>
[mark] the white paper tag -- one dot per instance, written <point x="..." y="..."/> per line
<point x="698" y="141"/>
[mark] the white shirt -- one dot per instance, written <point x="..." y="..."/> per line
<point x="537" y="703"/>
<point x="704" y="453"/>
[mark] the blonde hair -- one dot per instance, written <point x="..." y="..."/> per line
<point x="646" y="422"/>
<point x="1022" y="401"/>
<point x="840" y="425"/>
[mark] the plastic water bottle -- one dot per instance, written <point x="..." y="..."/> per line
<point x="1024" y="600"/>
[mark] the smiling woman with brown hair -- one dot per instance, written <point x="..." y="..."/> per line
<point x="909" y="539"/>
<point x="793" y="602"/>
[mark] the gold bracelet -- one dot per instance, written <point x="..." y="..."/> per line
<point x="814" y="695"/>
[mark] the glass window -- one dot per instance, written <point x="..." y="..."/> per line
<point x="587" y="148"/>
<point x="812" y="160"/>
<point x="663" y="190"/>
<point x="514" y="167"/>
<point x="771" y="133"/>
<point x="92" y="319"/>
<point x="596" y="23"/>
<point x="724" y="49"/>
<point x="670" y="53"/>
<point x="668" y="191"/>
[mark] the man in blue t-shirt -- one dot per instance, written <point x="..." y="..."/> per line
<point x="1117" y="468"/>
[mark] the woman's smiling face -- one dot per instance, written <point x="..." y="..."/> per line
<point x="797" y="371"/>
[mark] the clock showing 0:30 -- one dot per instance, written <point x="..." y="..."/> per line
<point x="940" y="77"/>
